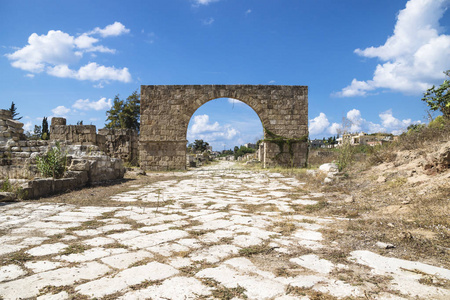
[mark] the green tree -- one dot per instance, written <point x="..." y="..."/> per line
<point x="13" y="110"/>
<point x="37" y="133"/>
<point x="115" y="114"/>
<point x="199" y="146"/>
<point x="438" y="98"/>
<point x="125" y="113"/>
<point x="241" y="151"/>
<point x="45" y="133"/>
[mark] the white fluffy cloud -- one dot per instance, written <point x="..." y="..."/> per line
<point x="201" y="128"/>
<point x="356" y="123"/>
<point x="111" y="30"/>
<point x="55" y="51"/>
<point x="318" y="124"/>
<point x="60" y="111"/>
<point x="86" y="104"/>
<point x="414" y="57"/>
<point x="28" y="126"/>
<point x="201" y="124"/>
<point x="354" y="116"/>
<point x="54" y="48"/>
<point x="334" y="129"/>
<point x="92" y="71"/>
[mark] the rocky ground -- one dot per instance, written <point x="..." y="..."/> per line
<point x="218" y="232"/>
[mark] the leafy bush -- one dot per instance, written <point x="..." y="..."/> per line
<point x="438" y="122"/>
<point x="53" y="163"/>
<point x="6" y="186"/>
<point x="438" y="98"/>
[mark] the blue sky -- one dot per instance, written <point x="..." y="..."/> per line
<point x="367" y="60"/>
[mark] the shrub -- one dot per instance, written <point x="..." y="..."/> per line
<point x="6" y="186"/>
<point x="53" y="163"/>
<point x="438" y="122"/>
<point x="346" y="154"/>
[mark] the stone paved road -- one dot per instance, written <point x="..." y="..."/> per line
<point x="217" y="233"/>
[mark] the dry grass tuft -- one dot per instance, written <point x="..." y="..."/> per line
<point x="74" y="248"/>
<point x="255" y="250"/>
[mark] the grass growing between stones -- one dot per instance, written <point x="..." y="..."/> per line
<point x="145" y="284"/>
<point x="134" y="224"/>
<point x="315" y="207"/>
<point x="18" y="258"/>
<point x="285" y="227"/>
<point x="197" y="233"/>
<point x="256" y="208"/>
<point x="52" y="289"/>
<point x="186" y="205"/>
<point x="255" y="250"/>
<point x="311" y="294"/>
<point x="74" y="248"/>
<point x="229" y="293"/>
<point x="115" y="245"/>
<point x="224" y="293"/>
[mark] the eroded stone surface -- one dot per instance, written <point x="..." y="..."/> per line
<point x="10" y="272"/>
<point x="225" y="228"/>
<point x="108" y="285"/>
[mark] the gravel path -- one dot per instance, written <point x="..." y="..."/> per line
<point x="219" y="232"/>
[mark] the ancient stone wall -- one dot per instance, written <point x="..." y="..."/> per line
<point x="86" y="164"/>
<point x="166" y="111"/>
<point x="120" y="143"/>
<point x="76" y="134"/>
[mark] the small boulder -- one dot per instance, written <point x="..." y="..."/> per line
<point x="329" y="168"/>
<point x="328" y="180"/>
<point x="384" y="245"/>
<point x="349" y="199"/>
<point x="6" y="197"/>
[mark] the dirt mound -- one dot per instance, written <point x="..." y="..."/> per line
<point x="440" y="161"/>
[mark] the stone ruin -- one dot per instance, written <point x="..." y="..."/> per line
<point x="91" y="157"/>
<point x="165" y="114"/>
<point x="167" y="109"/>
<point x="118" y="143"/>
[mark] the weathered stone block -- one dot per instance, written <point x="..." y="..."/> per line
<point x="79" y="165"/>
<point x="58" y="121"/>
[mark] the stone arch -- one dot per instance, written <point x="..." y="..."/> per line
<point x="167" y="109"/>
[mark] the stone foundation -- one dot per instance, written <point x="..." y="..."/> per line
<point x="163" y="155"/>
<point x="294" y="155"/>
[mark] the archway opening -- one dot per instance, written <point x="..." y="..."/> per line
<point x="228" y="126"/>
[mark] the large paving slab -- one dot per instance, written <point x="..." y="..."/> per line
<point x="223" y="232"/>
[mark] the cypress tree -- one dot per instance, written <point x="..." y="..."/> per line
<point x="14" y="113"/>
<point x="45" y="133"/>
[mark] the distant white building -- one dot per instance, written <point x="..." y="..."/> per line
<point x="363" y="138"/>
